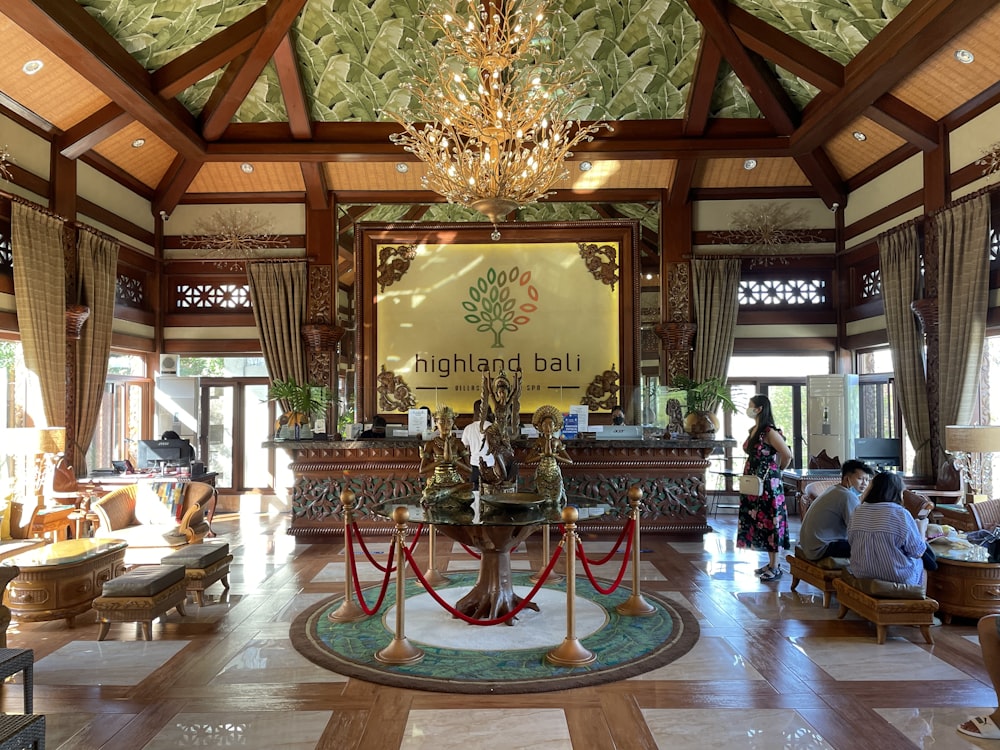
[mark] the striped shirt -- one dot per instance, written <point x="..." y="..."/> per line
<point x="885" y="544"/>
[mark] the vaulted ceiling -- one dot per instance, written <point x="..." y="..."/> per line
<point x="173" y="97"/>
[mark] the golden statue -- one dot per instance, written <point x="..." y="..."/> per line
<point x="548" y="452"/>
<point x="445" y="455"/>
<point x="497" y="468"/>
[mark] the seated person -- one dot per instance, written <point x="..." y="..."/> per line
<point x="824" y="527"/>
<point x="987" y="727"/>
<point x="617" y="415"/>
<point x="885" y="541"/>
<point x="377" y="430"/>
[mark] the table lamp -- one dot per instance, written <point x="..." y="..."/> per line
<point x="964" y="441"/>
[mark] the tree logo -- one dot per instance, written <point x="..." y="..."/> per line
<point x="493" y="303"/>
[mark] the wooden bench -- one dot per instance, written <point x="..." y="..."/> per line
<point x="885" y="612"/>
<point x="140" y="596"/>
<point x="817" y="575"/>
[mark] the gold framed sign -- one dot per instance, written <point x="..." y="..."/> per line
<point x="437" y="305"/>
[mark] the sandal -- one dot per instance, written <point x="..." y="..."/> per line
<point x="762" y="569"/>
<point x="771" y="574"/>
<point x="985" y="728"/>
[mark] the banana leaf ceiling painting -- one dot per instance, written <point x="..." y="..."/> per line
<point x="351" y="54"/>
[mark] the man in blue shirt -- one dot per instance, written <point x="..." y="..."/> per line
<point x="824" y="526"/>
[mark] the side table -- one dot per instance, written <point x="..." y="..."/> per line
<point x="14" y="660"/>
<point x="964" y="587"/>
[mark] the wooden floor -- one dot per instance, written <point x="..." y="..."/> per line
<point x="772" y="669"/>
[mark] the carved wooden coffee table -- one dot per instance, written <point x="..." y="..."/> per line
<point x="964" y="584"/>
<point x="62" y="579"/>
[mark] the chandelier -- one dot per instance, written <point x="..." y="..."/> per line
<point x="231" y="237"/>
<point x="5" y="161"/>
<point x="492" y="99"/>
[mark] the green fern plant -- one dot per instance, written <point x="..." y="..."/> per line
<point x="300" y="401"/>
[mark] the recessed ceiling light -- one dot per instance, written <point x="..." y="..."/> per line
<point x="649" y="277"/>
<point x="32" y="66"/>
<point x="586" y="166"/>
<point x="247" y="167"/>
<point x="402" y="167"/>
<point x="964" y="56"/>
<point x="859" y="136"/>
<point x="138" y="143"/>
<point x="750" y="164"/>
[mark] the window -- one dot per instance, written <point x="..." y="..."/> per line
<point x="880" y="415"/>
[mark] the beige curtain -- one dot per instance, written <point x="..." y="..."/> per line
<point x="40" y="296"/>
<point x="899" y="261"/>
<point x="278" y="293"/>
<point x="962" y="233"/>
<point x="715" y="287"/>
<point x="97" y="267"/>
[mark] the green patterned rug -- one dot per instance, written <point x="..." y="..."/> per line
<point x="625" y="646"/>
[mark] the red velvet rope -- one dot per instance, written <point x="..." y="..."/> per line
<point x="496" y="620"/>
<point x="472" y="552"/>
<point x="626" y="531"/>
<point x="621" y="573"/>
<point x="357" y="583"/>
<point x="364" y="548"/>
<point x="416" y="537"/>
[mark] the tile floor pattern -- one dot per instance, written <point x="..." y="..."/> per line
<point x="773" y="669"/>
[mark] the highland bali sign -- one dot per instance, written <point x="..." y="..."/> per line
<point x="454" y="310"/>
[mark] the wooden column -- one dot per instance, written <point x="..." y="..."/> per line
<point x="321" y="332"/>
<point x="676" y="329"/>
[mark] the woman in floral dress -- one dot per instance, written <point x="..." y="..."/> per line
<point x="763" y="521"/>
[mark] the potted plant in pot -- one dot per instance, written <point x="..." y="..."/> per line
<point x="702" y="398"/>
<point x="301" y="403"/>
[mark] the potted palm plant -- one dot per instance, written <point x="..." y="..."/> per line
<point x="702" y="398"/>
<point x="301" y="403"/>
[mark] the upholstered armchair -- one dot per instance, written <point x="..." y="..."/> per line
<point x="812" y="491"/>
<point x="986" y="514"/>
<point x="121" y="515"/>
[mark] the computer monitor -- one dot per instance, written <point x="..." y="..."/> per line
<point x="169" y="452"/>
<point x="879" y="452"/>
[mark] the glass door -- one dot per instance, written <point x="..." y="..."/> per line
<point x="236" y="421"/>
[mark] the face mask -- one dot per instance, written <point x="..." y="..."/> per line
<point x="751" y="412"/>
<point x="855" y="490"/>
<point x="618" y="420"/>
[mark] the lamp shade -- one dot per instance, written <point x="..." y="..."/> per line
<point x="52" y="440"/>
<point x="972" y="438"/>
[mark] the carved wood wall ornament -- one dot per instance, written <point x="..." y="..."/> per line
<point x="393" y="263"/>
<point x="321" y="294"/>
<point x="601" y="261"/>
<point x="232" y="236"/>
<point x="393" y="392"/>
<point x="602" y="393"/>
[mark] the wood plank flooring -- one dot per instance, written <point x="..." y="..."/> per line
<point x="773" y="669"/>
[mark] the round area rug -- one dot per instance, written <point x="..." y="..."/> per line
<point x="463" y="658"/>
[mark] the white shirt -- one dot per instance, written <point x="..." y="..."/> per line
<point x="472" y="436"/>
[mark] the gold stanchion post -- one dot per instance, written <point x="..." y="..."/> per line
<point x="349" y="611"/>
<point x="433" y="576"/>
<point x="635" y="605"/>
<point x="570" y="653"/>
<point x="553" y="576"/>
<point x="400" y="650"/>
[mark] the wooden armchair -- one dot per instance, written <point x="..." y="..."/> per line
<point x="116" y="512"/>
<point x="949" y="487"/>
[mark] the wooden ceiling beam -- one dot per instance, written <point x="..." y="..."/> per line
<point x="681" y="182"/>
<point x="174" y="184"/>
<point x="908" y="123"/>
<point x="317" y="191"/>
<point x="90" y="131"/>
<point x="209" y="56"/>
<point x="784" y="50"/>
<point x="906" y="42"/>
<point x="243" y="72"/>
<point x="766" y="91"/>
<point x="70" y="33"/>
<point x="699" y="102"/>
<point x="351" y="216"/>
<point x="824" y="177"/>
<point x="648" y="240"/>
<point x="292" y="90"/>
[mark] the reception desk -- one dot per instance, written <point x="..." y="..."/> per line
<point x="671" y="474"/>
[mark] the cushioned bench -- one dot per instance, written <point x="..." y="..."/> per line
<point x="884" y="611"/>
<point x="204" y="564"/>
<point x="821" y="573"/>
<point x="140" y="596"/>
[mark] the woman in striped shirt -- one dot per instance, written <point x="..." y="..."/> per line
<point x="885" y="541"/>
